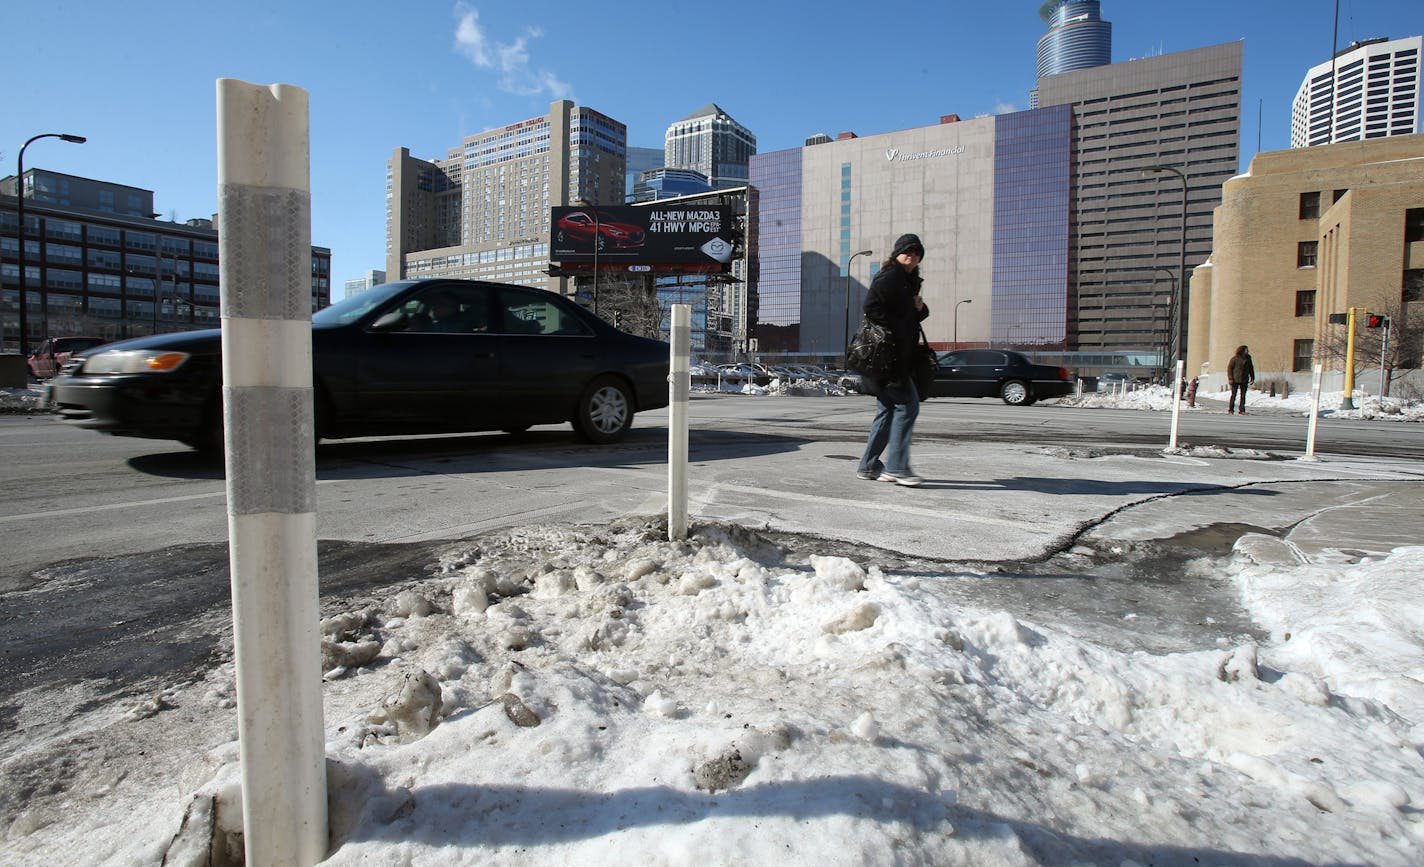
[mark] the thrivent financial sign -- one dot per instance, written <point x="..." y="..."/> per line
<point x="896" y="155"/>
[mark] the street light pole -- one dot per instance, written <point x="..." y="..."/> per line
<point x="956" y="319"/>
<point x="849" y="263"/>
<point x="20" y="212"/>
<point x="1180" y="289"/>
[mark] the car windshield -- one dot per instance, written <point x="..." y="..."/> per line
<point x="353" y="307"/>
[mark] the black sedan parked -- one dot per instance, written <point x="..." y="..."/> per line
<point x="998" y="373"/>
<point x="411" y="357"/>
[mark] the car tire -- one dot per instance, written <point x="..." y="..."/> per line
<point x="605" y="411"/>
<point x="1015" y="393"/>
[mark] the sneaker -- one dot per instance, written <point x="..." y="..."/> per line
<point x="871" y="474"/>
<point x="909" y="480"/>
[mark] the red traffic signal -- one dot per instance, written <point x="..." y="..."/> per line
<point x="1375" y="320"/>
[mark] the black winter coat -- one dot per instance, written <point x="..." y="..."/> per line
<point x="891" y="303"/>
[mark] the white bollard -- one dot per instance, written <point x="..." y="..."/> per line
<point x="678" y="387"/>
<point x="1176" y="404"/>
<point x="264" y="215"/>
<point x="1314" y="414"/>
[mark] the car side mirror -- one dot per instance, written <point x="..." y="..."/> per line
<point x="392" y="321"/>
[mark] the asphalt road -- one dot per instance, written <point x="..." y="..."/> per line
<point x="67" y="493"/>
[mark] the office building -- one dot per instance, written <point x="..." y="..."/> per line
<point x="1077" y="38"/>
<point x="1041" y="231"/>
<point x="665" y="183"/>
<point x="639" y="160"/>
<point x="989" y="197"/>
<point x="371" y="279"/>
<point x="711" y="142"/>
<point x="1369" y="90"/>
<point x="1308" y="232"/>
<point x="98" y="264"/>
<point x="482" y="212"/>
<point x="1180" y="112"/>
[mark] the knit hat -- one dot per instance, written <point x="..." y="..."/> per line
<point x="907" y="243"/>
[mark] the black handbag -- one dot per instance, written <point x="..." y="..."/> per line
<point x="872" y="351"/>
<point x="923" y="366"/>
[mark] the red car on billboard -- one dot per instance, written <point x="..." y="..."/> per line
<point x="584" y="226"/>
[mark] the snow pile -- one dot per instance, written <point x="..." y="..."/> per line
<point x="1367" y="406"/>
<point x="560" y="695"/>
<point x="1149" y="397"/>
<point x="19" y="400"/>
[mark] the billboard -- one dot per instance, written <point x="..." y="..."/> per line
<point x="617" y="235"/>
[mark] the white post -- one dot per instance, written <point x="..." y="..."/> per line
<point x="678" y="387"/>
<point x="264" y="240"/>
<point x="1176" y="404"/>
<point x="1314" y="413"/>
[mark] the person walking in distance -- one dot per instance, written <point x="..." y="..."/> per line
<point x="894" y="301"/>
<point x="1240" y="372"/>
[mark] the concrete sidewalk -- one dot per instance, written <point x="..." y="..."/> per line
<point x="989" y="502"/>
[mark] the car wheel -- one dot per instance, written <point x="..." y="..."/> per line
<point x="605" y="411"/>
<point x="1015" y="393"/>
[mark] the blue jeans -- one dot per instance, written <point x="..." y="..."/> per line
<point x="890" y="431"/>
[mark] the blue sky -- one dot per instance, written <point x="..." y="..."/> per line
<point x="138" y="78"/>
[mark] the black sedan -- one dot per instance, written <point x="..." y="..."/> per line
<point x="412" y="357"/>
<point x="998" y="373"/>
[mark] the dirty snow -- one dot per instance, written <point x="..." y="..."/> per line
<point x="556" y="695"/>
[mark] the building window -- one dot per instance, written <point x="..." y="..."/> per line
<point x="1339" y="194"/>
<point x="1303" y="355"/>
<point x="1413" y="225"/>
<point x="1305" y="303"/>
<point x="1310" y="206"/>
<point x="1305" y="254"/>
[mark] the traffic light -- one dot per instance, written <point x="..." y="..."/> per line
<point x="1376" y="320"/>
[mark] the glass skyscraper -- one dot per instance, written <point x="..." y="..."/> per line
<point x="1077" y="37"/>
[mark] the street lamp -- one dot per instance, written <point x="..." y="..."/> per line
<point x="20" y="212"/>
<point x="1175" y="308"/>
<point x="956" y="319"/>
<point x="849" y="263"/>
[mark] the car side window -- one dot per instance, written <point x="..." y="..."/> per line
<point x="985" y="358"/>
<point x="952" y="359"/>
<point x="449" y="309"/>
<point x="523" y="311"/>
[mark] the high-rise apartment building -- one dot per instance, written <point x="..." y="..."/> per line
<point x="483" y="211"/>
<point x="1181" y="112"/>
<point x="1077" y="38"/>
<point x="711" y="142"/>
<point x="1369" y="90"/>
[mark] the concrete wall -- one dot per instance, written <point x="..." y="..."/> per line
<point x="937" y="182"/>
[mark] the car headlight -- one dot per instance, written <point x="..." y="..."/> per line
<point x="134" y="361"/>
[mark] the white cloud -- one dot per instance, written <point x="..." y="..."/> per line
<point x="509" y="60"/>
<point x="1005" y="108"/>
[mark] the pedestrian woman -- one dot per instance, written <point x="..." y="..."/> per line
<point x="1240" y="372"/>
<point x="894" y="301"/>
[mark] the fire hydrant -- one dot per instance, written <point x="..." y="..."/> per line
<point x="1192" y="393"/>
